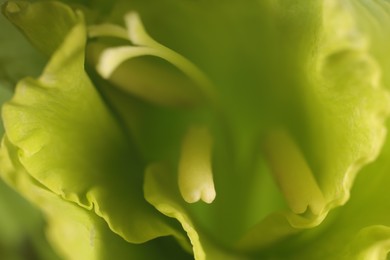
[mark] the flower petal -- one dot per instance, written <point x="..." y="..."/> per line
<point x="76" y="232"/>
<point x="358" y="230"/>
<point x="70" y="143"/>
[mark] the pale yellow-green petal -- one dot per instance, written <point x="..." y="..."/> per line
<point x="71" y="143"/>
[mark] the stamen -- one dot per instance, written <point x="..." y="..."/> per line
<point x="293" y="174"/>
<point x="139" y="36"/>
<point x="195" y="172"/>
<point x="107" y="30"/>
<point x="112" y="58"/>
<point x="137" y="32"/>
<point x="144" y="45"/>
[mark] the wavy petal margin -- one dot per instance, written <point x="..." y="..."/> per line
<point x="68" y="141"/>
<point x="75" y="232"/>
<point x="346" y="106"/>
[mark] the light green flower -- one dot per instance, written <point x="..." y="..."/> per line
<point x="200" y="129"/>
